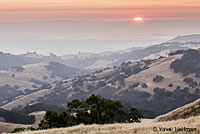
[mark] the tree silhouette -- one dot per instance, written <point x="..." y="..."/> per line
<point x="95" y="109"/>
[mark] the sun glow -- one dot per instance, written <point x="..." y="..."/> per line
<point x="138" y="19"/>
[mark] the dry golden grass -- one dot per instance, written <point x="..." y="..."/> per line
<point x="146" y="127"/>
<point x="9" y="127"/>
<point x="189" y="110"/>
<point x="38" y="117"/>
<point x="171" y="120"/>
<point x="160" y="67"/>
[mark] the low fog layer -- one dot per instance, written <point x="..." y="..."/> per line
<point x="62" y="37"/>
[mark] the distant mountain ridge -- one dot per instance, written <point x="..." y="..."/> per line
<point x="95" y="61"/>
<point x="187" y="38"/>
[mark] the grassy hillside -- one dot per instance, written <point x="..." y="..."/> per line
<point x="148" y="84"/>
<point x="189" y="110"/>
<point x="34" y="75"/>
<point x="29" y="77"/>
<point x="146" y="127"/>
<point x="9" y="127"/>
<point x="30" y="82"/>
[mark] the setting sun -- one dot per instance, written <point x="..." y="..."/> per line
<point x="138" y="19"/>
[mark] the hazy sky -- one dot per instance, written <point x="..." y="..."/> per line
<point x="93" y="10"/>
<point x="65" y="37"/>
<point x="70" y="26"/>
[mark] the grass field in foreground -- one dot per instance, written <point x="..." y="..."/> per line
<point x="146" y="127"/>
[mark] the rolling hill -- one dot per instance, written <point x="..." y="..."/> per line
<point x="17" y="82"/>
<point x="187" y="38"/>
<point x="184" y="112"/>
<point x="95" y="61"/>
<point x="144" y="84"/>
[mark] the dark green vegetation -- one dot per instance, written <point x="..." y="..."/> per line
<point x="40" y="107"/>
<point x="162" y="101"/>
<point x="158" y="78"/>
<point x="17" y="117"/>
<point x="18" y="69"/>
<point x="191" y="82"/>
<point x="188" y="64"/>
<point x="18" y="130"/>
<point x="7" y="93"/>
<point x="61" y="70"/>
<point x="38" y="82"/>
<point x="177" y="52"/>
<point x="94" y="110"/>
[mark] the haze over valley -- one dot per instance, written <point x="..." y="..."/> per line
<point x="72" y="37"/>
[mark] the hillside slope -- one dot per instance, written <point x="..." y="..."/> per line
<point x="17" y="82"/>
<point x="187" y="38"/>
<point x="146" y="127"/>
<point x="149" y="84"/>
<point x="94" y="61"/>
<point x="189" y="110"/>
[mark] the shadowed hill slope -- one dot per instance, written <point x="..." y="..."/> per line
<point x="149" y="84"/>
<point x="189" y="110"/>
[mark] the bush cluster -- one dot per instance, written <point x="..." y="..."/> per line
<point x="190" y="82"/>
<point x="93" y="110"/>
<point x="158" y="78"/>
<point x="188" y="64"/>
<point x="17" y="117"/>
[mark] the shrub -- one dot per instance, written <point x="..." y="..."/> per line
<point x="41" y="107"/>
<point x="17" y="130"/>
<point x="134" y="85"/>
<point x="90" y="87"/>
<point x="158" y="78"/>
<point x="190" y="82"/>
<point x="101" y="84"/>
<point x="170" y="85"/>
<point x="188" y="64"/>
<point x="77" y="89"/>
<point x="34" y="86"/>
<point x="38" y="82"/>
<point x="16" y="87"/>
<point x="19" y="69"/>
<point x="177" y="52"/>
<point x="144" y="85"/>
<point x="45" y="77"/>
<point x="13" y="75"/>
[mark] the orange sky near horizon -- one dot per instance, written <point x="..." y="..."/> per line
<point x="98" y="10"/>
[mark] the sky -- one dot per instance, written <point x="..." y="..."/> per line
<point x="98" y="10"/>
<point x="72" y="26"/>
